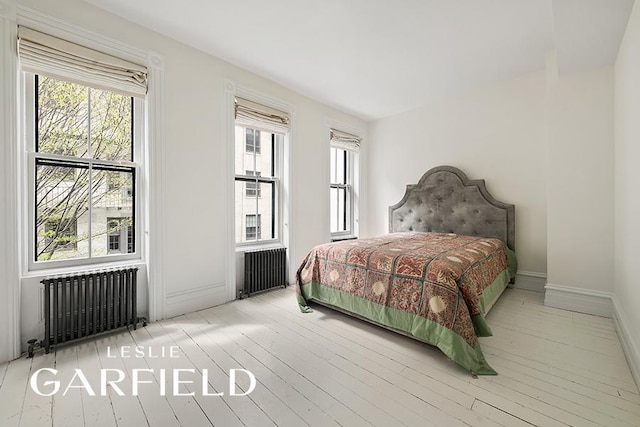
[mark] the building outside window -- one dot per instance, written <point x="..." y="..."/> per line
<point x="253" y="189"/>
<point x="119" y="229"/>
<point x="252" y="141"/>
<point x="253" y="227"/>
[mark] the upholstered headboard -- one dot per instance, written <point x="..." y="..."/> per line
<point x="446" y="201"/>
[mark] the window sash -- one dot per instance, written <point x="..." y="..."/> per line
<point x="90" y="254"/>
<point x="90" y="166"/>
<point x="341" y="197"/>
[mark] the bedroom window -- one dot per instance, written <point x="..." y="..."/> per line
<point x="82" y="152"/>
<point x="260" y="133"/>
<point x="257" y="187"/>
<point x="342" y="198"/>
<point x="84" y="170"/>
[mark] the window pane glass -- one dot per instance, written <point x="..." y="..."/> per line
<point x="62" y="220"/>
<point x="112" y="212"/>
<point x="333" y="209"/>
<point x="266" y="210"/>
<point x="245" y="208"/>
<point x="111" y="119"/>
<point x="261" y="160"/>
<point x="62" y="117"/>
<point x="338" y="204"/>
<point x="340" y="167"/>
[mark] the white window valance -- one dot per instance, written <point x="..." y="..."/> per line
<point x="258" y="116"/>
<point x="344" y="140"/>
<point x="47" y="55"/>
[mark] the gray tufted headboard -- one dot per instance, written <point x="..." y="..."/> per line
<point x="446" y="201"/>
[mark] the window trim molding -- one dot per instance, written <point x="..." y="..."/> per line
<point x="151" y="180"/>
<point x="355" y="174"/>
<point x="231" y="90"/>
<point x="27" y="85"/>
<point x="10" y="250"/>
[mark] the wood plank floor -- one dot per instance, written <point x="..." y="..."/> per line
<point x="556" y="368"/>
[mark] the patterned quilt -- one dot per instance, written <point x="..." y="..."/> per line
<point x="426" y="285"/>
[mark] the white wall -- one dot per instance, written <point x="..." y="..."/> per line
<point x="627" y="178"/>
<point x="496" y="133"/>
<point x="195" y="170"/>
<point x="580" y="181"/>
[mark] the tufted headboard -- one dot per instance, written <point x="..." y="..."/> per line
<point x="446" y="201"/>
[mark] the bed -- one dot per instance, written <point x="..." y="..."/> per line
<point x="447" y="258"/>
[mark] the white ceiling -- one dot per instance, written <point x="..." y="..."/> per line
<point x="376" y="58"/>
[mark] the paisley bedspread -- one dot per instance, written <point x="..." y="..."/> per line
<point x="427" y="285"/>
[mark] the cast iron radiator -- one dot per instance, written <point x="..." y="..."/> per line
<point x="264" y="270"/>
<point x="86" y="304"/>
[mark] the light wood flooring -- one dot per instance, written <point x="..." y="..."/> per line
<point x="556" y="368"/>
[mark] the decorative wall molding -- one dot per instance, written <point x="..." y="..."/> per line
<point x="581" y="300"/>
<point x="9" y="226"/>
<point x="42" y="21"/>
<point x="154" y="163"/>
<point x="630" y="347"/>
<point x="530" y="281"/>
<point x="228" y="130"/>
<point x="195" y="299"/>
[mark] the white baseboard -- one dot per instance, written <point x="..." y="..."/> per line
<point x="189" y="300"/>
<point x="630" y="347"/>
<point x="530" y="281"/>
<point x="577" y="299"/>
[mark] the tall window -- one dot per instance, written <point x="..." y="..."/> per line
<point x="260" y="133"/>
<point x="257" y="186"/>
<point x="343" y="151"/>
<point x="82" y="151"/>
<point x="83" y="140"/>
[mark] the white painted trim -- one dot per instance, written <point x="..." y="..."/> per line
<point x="231" y="90"/>
<point x="356" y="165"/>
<point x="630" y="347"/>
<point x="581" y="300"/>
<point x="154" y="163"/>
<point x="228" y="130"/>
<point x="9" y="194"/>
<point x="530" y="281"/>
<point x="195" y="299"/>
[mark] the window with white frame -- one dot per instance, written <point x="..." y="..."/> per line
<point x="82" y="151"/>
<point x="260" y="132"/>
<point x="342" y="159"/>
<point x="257" y="183"/>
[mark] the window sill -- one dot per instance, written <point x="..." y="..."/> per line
<point x="59" y="271"/>
<point x="341" y="238"/>
<point x="259" y="246"/>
